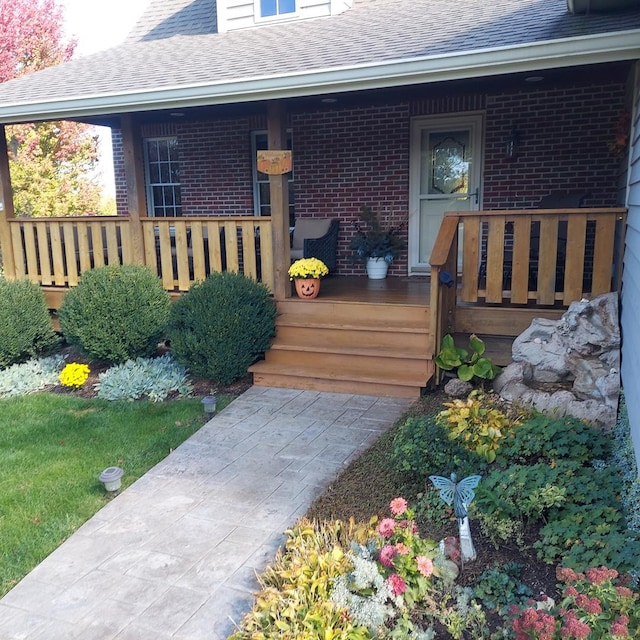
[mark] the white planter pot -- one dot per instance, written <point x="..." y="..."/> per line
<point x="377" y="268"/>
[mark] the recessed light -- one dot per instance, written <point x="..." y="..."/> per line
<point x="177" y="114"/>
<point x="534" y="79"/>
<point x="328" y="100"/>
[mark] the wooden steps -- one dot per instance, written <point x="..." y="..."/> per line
<point x="349" y="347"/>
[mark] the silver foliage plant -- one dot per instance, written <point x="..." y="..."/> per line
<point x="152" y="378"/>
<point x="31" y="376"/>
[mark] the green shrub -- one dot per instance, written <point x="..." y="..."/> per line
<point x="116" y="313"/>
<point x="421" y="447"/>
<point x="25" y="325"/>
<point x="221" y="326"/>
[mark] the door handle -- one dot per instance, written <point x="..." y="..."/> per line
<point x="477" y="195"/>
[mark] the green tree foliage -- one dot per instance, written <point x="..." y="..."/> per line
<point x="52" y="164"/>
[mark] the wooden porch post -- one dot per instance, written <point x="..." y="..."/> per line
<point x="6" y="209"/>
<point x="279" y="191"/>
<point x="134" y="173"/>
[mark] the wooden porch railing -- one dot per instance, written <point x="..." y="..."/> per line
<point x="523" y="259"/>
<point x="56" y="251"/>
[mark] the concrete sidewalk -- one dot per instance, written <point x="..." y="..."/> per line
<point x="175" y="555"/>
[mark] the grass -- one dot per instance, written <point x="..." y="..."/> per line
<point x="52" y="450"/>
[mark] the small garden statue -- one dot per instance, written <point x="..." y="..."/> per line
<point x="459" y="494"/>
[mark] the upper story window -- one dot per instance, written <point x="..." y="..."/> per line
<point x="162" y="172"/>
<point x="271" y="8"/>
<point x="261" y="193"/>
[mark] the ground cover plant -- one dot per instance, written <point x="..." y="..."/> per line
<point x="545" y="568"/>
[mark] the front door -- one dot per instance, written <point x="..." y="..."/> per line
<point x="445" y="176"/>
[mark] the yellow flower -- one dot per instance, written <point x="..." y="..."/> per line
<point x="74" y="375"/>
<point x="308" y="268"/>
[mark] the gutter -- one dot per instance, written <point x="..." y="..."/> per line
<point x="581" y="50"/>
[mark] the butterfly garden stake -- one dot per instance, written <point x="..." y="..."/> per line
<point x="459" y="494"/>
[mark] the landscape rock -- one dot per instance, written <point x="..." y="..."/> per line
<point x="457" y="388"/>
<point x="569" y="366"/>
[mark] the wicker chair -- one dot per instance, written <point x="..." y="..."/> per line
<point x="316" y="238"/>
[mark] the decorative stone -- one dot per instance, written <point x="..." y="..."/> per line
<point x="581" y="352"/>
<point x="457" y="388"/>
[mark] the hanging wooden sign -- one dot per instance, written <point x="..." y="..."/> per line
<point x="274" y="163"/>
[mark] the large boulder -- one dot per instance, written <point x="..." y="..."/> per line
<point x="577" y="357"/>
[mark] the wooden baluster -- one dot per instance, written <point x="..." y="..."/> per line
<point x="574" y="258"/>
<point x="495" y="259"/>
<point x="547" y="251"/>
<point x="520" y="264"/>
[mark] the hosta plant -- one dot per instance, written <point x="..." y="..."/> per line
<point x="469" y="364"/>
<point x="476" y="424"/>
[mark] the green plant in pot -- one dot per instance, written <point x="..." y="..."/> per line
<point x="375" y="241"/>
<point x="469" y="364"/>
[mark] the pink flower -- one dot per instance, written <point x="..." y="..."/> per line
<point x="386" y="527"/>
<point x="600" y="574"/>
<point x="387" y="554"/>
<point x="574" y="628"/>
<point x="590" y="605"/>
<point x="402" y="549"/>
<point x="398" y="506"/>
<point x="425" y="566"/>
<point x="624" y="592"/>
<point x="571" y="591"/>
<point x="619" y="629"/>
<point x="397" y="584"/>
<point x="564" y="574"/>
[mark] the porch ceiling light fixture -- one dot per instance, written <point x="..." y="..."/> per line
<point x="533" y="79"/>
<point x="511" y="151"/>
<point x="329" y="100"/>
<point x="112" y="478"/>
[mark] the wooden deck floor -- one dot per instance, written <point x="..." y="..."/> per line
<point x="391" y="290"/>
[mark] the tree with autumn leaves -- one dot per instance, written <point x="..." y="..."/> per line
<point x="52" y="164"/>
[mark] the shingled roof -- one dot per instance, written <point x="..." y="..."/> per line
<point x="174" y="57"/>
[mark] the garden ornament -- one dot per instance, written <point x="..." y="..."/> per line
<point x="459" y="494"/>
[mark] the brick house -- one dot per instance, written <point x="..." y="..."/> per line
<point x="522" y="98"/>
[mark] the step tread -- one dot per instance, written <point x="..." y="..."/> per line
<point x="344" y="374"/>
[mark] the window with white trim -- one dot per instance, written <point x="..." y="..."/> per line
<point x="162" y="172"/>
<point x="261" y="193"/>
<point x="272" y="8"/>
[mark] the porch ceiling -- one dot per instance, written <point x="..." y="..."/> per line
<point x="377" y="44"/>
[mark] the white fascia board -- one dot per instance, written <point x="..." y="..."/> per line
<point x="582" y="50"/>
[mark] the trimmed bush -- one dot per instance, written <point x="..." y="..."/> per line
<point x="221" y="326"/>
<point x="25" y="325"/>
<point x="116" y="313"/>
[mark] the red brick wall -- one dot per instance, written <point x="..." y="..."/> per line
<point x="346" y="157"/>
<point x="564" y="135"/>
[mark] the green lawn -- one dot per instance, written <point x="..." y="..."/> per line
<point x="52" y="450"/>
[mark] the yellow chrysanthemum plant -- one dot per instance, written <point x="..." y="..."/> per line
<point x="74" y="375"/>
<point x="307" y="268"/>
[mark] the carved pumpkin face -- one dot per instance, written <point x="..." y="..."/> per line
<point x="308" y="289"/>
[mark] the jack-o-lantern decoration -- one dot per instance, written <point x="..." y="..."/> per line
<point x="307" y="288"/>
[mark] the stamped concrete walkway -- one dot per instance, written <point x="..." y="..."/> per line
<point x="175" y="555"/>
